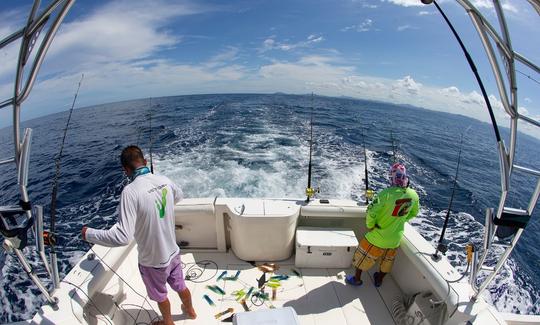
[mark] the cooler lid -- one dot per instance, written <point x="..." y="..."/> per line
<point x="257" y="208"/>
<point x="327" y="237"/>
<point x="284" y="316"/>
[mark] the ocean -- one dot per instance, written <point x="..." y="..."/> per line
<point x="257" y="145"/>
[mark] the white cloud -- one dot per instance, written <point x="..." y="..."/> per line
<point x="406" y="84"/>
<point x="523" y="111"/>
<point x="120" y="31"/>
<point x="271" y="44"/>
<point x="405" y="27"/>
<point x="527" y="100"/>
<point x="407" y="3"/>
<point x="226" y="57"/>
<point x="488" y="4"/>
<point x="364" y="26"/>
<point x="10" y="22"/>
<point x="313" y="69"/>
<point x="480" y="4"/>
<point x="367" y="4"/>
<point x="426" y="13"/>
<point x="323" y="75"/>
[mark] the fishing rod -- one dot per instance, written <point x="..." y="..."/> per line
<point x="50" y="236"/>
<point x="369" y="192"/>
<point x="441" y="247"/>
<point x="151" y="160"/>
<point x="309" y="190"/>
<point x="473" y="68"/>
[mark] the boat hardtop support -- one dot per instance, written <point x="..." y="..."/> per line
<point x="16" y="236"/>
<point x="505" y="223"/>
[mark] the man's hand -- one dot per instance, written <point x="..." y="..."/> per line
<point x="83" y="232"/>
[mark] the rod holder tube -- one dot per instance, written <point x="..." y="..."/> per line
<point x="7" y="161"/>
<point x="38" y="232"/>
<point x="55" y="276"/>
<point x="534" y="198"/>
<point x="24" y="158"/>
<point x="38" y="228"/>
<point x="489" y="229"/>
<point x="474" y="271"/>
<point x="504" y="167"/>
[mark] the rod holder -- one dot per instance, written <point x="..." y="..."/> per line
<point x="38" y="228"/>
<point x="474" y="270"/>
<point x="55" y="276"/>
<point x="38" y="233"/>
<point x="488" y="234"/>
<point x="24" y="158"/>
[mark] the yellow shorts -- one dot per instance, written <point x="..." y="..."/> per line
<point x="367" y="254"/>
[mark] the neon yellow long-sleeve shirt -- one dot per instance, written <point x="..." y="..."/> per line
<point x="387" y="215"/>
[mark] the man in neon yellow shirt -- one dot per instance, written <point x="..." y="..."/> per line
<point x="386" y="217"/>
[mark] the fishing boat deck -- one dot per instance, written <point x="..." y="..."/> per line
<point x="319" y="296"/>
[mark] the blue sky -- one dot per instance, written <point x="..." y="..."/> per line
<point x="397" y="51"/>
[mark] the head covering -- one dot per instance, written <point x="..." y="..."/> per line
<point x="398" y="175"/>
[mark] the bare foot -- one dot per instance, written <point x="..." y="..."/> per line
<point x="189" y="313"/>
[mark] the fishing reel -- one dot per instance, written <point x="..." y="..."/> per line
<point x="370" y="194"/>
<point x="49" y="238"/>
<point x="310" y="192"/>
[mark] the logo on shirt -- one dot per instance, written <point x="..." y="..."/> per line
<point x="163" y="203"/>
<point x="401" y="208"/>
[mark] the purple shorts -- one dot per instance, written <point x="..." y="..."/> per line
<point x="155" y="279"/>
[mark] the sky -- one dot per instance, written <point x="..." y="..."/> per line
<point x="397" y="51"/>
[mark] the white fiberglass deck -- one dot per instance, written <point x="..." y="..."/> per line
<point x="319" y="296"/>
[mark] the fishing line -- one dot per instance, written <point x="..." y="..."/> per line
<point x="441" y="247"/>
<point x="119" y="307"/>
<point x="139" y="130"/>
<point x="58" y="159"/>
<point x="192" y="272"/>
<point x="140" y="295"/>
<point x="151" y="160"/>
<point x="528" y="76"/>
<point x="394" y="154"/>
<point x="89" y="299"/>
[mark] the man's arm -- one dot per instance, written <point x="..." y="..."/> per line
<point x="414" y="209"/>
<point x="177" y="193"/>
<point x="121" y="233"/>
<point x="372" y="212"/>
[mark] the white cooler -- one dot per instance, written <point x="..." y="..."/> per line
<point x="277" y="316"/>
<point x="324" y="247"/>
